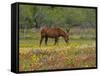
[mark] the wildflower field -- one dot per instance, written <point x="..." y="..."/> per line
<point x="80" y="52"/>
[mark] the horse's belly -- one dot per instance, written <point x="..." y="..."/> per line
<point x="52" y="35"/>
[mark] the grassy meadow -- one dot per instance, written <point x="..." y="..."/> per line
<point x="80" y="52"/>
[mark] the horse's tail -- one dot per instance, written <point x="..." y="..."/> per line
<point x="43" y="28"/>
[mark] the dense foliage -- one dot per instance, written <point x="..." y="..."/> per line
<point x="31" y="16"/>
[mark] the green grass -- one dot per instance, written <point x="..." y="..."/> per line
<point x="78" y="53"/>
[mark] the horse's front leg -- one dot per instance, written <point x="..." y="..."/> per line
<point x="56" y="41"/>
<point x="46" y="40"/>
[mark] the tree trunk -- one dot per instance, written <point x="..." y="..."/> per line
<point x="36" y="24"/>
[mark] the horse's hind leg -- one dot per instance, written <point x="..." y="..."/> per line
<point x="42" y="37"/>
<point x="46" y="39"/>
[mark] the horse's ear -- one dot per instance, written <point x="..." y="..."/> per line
<point x="68" y="30"/>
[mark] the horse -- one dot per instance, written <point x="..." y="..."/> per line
<point x="55" y="33"/>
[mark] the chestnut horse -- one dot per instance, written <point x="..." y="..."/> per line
<point x="53" y="33"/>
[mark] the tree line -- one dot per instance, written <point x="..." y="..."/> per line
<point x="33" y="16"/>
